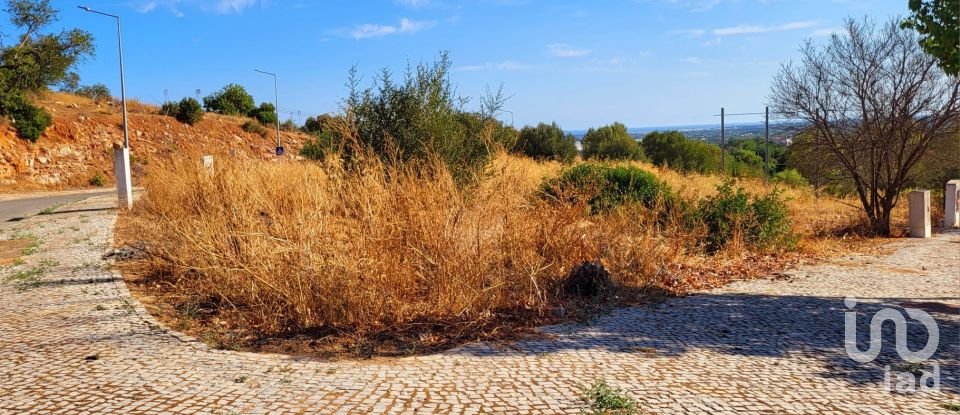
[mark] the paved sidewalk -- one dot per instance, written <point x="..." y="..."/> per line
<point x="72" y="340"/>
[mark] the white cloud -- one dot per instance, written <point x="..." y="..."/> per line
<point x="689" y="32"/>
<point x="366" y="31"/>
<point x="826" y="32"/>
<point x="234" y="6"/>
<point x="174" y="6"/>
<point x="564" y="50"/>
<point x="506" y="65"/>
<point x="754" y="29"/>
<point x="692" y="60"/>
<point x="415" y="4"/>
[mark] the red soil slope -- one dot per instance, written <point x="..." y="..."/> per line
<point x="78" y="146"/>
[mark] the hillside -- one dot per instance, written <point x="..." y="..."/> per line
<point x="78" y="146"/>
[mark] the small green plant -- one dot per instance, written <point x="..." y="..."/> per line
<point x="915" y="369"/>
<point x="49" y="210"/>
<point x="762" y="222"/>
<point x="254" y="127"/>
<point x="31" y="278"/>
<point x="169" y="108"/>
<point x="607" y="400"/>
<point x="98" y="180"/>
<point x="240" y="379"/>
<point x="951" y="406"/>
<point x="607" y="187"/>
<point x="101" y="307"/>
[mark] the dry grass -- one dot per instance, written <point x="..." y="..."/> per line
<point x="382" y="260"/>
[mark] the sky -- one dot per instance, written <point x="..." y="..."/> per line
<point x="580" y="63"/>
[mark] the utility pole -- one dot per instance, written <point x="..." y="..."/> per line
<point x="766" y="142"/>
<point x="723" y="145"/>
<point x="121" y="156"/>
<point x="276" y="96"/>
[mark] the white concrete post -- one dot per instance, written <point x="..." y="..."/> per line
<point x="951" y="204"/>
<point x="208" y="164"/>
<point x="121" y="170"/>
<point x="920" y="214"/>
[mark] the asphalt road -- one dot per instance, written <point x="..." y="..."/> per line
<point x="16" y="209"/>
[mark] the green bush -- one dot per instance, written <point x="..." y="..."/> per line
<point x="546" y="142"/>
<point x="233" y="99"/>
<point x="674" y="149"/>
<point x="763" y="222"/>
<point x="98" y="180"/>
<point x="790" y="177"/>
<point x="422" y="118"/>
<point x="318" y="148"/>
<point x="170" y="109"/>
<point x="189" y="111"/>
<point x="29" y="120"/>
<point x="611" y="142"/>
<point x="607" y="187"/>
<point x="288" y="125"/>
<point x="266" y="113"/>
<point x="97" y="92"/>
<point x="255" y="127"/>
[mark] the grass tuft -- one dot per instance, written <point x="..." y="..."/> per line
<point x="607" y="400"/>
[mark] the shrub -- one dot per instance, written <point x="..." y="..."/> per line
<point x="318" y="148"/>
<point x="288" y="125"/>
<point x="760" y="222"/>
<point x="189" y="111"/>
<point x="606" y="187"/>
<point x="233" y="99"/>
<point x="266" y="114"/>
<point x="29" y="120"/>
<point x="254" y="127"/>
<point x="98" y="180"/>
<point x="611" y="142"/>
<point x="674" y="149"/>
<point x="546" y="141"/>
<point x="97" y="92"/>
<point x="422" y="118"/>
<point x="170" y="109"/>
<point x="790" y="177"/>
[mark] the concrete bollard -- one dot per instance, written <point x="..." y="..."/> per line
<point x="207" y="164"/>
<point x="951" y="204"/>
<point x="121" y="170"/>
<point x="920" y="214"/>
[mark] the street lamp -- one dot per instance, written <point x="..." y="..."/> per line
<point x="121" y="156"/>
<point x="276" y="97"/>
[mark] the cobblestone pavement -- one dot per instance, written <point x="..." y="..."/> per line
<point x="72" y="340"/>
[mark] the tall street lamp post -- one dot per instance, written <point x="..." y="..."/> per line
<point x="121" y="156"/>
<point x="276" y="97"/>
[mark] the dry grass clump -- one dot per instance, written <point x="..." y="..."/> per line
<point x="397" y="255"/>
<point x="288" y="247"/>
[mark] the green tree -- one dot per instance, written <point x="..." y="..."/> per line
<point x="37" y="61"/>
<point x="938" y="22"/>
<point x="547" y="141"/>
<point x="894" y="105"/>
<point x="98" y="92"/>
<point x="422" y="117"/>
<point x="611" y="142"/>
<point x="674" y="149"/>
<point x="189" y="111"/>
<point x="232" y="99"/>
<point x="266" y="114"/>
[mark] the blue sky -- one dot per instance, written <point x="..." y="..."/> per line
<point x="580" y="63"/>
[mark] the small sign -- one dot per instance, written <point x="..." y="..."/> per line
<point x="279" y="151"/>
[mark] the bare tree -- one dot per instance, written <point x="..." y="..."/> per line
<point x="875" y="102"/>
